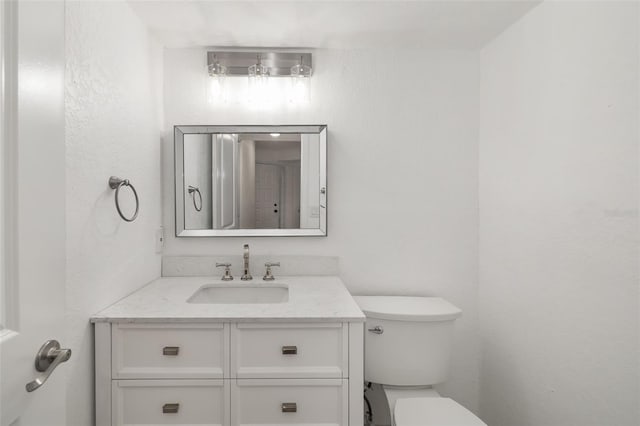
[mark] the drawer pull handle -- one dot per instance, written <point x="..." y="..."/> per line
<point x="289" y="350"/>
<point x="171" y="350"/>
<point x="170" y="408"/>
<point x="289" y="407"/>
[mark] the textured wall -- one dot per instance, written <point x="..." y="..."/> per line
<point x="112" y="128"/>
<point x="402" y="175"/>
<point x="559" y="218"/>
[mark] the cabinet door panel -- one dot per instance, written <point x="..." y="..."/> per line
<point x="170" y="351"/>
<point x="289" y="351"/>
<point x="270" y="402"/>
<point x="170" y="402"/>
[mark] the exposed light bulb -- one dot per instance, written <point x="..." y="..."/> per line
<point x="259" y="85"/>
<point x="300" y="90"/>
<point x="300" y="83"/>
<point x="216" y="90"/>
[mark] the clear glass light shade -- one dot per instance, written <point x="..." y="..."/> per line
<point x="216" y="89"/>
<point x="259" y="86"/>
<point x="258" y="70"/>
<point x="300" y="84"/>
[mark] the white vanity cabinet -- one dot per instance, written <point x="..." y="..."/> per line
<point x="229" y="373"/>
<point x="290" y="401"/>
<point x="169" y="351"/>
<point x="278" y="351"/>
<point x="171" y="402"/>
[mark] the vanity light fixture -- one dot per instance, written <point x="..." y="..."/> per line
<point x="262" y="69"/>
<point x="215" y="81"/>
<point x="274" y="135"/>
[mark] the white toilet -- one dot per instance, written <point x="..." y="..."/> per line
<point x="407" y="350"/>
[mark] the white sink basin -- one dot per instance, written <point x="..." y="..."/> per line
<point x="240" y="294"/>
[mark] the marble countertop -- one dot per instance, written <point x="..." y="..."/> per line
<point x="311" y="298"/>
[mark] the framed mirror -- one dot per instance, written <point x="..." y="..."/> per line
<point x="251" y="180"/>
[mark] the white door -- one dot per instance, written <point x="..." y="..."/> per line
<point x="33" y="209"/>
<point x="268" y="200"/>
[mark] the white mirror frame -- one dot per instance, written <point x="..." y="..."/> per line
<point x="178" y="136"/>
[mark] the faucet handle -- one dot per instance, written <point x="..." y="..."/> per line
<point x="227" y="271"/>
<point x="268" y="276"/>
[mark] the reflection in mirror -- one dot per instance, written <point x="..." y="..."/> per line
<point x="250" y="180"/>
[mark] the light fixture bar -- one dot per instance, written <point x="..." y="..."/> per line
<point x="279" y="63"/>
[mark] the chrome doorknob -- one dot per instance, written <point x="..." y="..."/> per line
<point x="48" y="358"/>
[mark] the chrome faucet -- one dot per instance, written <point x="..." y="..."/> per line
<point x="246" y="276"/>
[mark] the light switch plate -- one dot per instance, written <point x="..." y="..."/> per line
<point x="159" y="240"/>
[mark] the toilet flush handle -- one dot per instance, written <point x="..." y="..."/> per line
<point x="377" y="329"/>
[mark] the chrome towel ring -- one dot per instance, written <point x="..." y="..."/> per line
<point x="117" y="183"/>
<point x="193" y="190"/>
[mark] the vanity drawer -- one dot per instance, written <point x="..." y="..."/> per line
<point x="170" y="402"/>
<point x="289" y="351"/>
<point x="169" y="351"/>
<point x="289" y="402"/>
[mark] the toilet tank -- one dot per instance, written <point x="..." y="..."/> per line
<point x="407" y="339"/>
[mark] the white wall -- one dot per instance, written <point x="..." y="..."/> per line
<point x="559" y="218"/>
<point x="402" y="175"/>
<point x="112" y="128"/>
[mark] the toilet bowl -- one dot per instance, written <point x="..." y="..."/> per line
<point x="424" y="406"/>
<point x="394" y="393"/>
<point x="407" y="350"/>
<point x="433" y="412"/>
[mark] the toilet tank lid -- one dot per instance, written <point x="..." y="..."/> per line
<point x="407" y="308"/>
